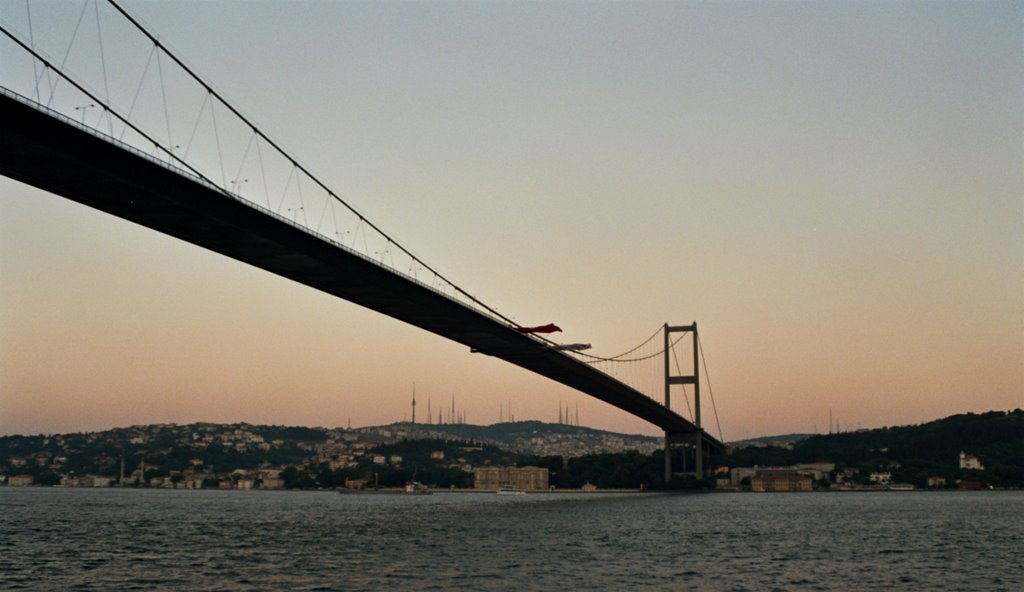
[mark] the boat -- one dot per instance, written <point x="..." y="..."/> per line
<point x="510" y="491"/>
<point x="370" y="491"/>
<point x="901" y="487"/>
<point x="411" y="488"/>
<point x="417" y="488"/>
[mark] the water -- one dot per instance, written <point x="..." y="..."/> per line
<point x="68" y="539"/>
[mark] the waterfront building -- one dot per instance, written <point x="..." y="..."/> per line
<point x="778" y="483"/>
<point x="818" y="471"/>
<point x="525" y="478"/>
<point x="20" y="480"/>
<point x="83" y="481"/>
<point x="738" y="474"/>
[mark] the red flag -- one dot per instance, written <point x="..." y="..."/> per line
<point x="549" y="328"/>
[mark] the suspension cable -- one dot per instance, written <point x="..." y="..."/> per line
<point x="619" y="358"/>
<point x="707" y="378"/>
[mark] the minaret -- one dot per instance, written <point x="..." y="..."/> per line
<point x="430" y="414"/>
<point x="414" y="402"/>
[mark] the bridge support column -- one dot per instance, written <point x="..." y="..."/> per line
<point x="668" y="458"/>
<point x="693" y="379"/>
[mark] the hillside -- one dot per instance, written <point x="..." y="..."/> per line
<point x="914" y="453"/>
<point x="301" y="456"/>
<point x="218" y="455"/>
<point x="537" y="437"/>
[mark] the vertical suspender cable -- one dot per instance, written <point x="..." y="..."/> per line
<point x="103" y="64"/>
<point x="163" y="93"/>
<point x="67" y="54"/>
<point x="216" y="137"/>
<point x="32" y="42"/>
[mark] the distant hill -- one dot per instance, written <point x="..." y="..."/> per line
<point x="914" y="453"/>
<point x="771" y="440"/>
<point x="509" y="433"/>
<point x="213" y="450"/>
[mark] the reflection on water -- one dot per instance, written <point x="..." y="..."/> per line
<point x="230" y="540"/>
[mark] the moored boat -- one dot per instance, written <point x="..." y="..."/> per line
<point x="415" y="487"/>
<point x="510" y="491"/>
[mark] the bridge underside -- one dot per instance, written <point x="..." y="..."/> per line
<point x="48" y="153"/>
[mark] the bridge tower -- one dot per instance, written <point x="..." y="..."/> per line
<point x="694" y="379"/>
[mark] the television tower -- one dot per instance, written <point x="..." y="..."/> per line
<point x="414" y="402"/>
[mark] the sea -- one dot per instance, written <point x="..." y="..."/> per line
<point x="137" y="539"/>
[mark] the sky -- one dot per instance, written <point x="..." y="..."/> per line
<point x="833" y="191"/>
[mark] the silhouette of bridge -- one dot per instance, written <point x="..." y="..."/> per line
<point x="49" y="149"/>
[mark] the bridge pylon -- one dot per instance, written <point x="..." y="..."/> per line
<point x="694" y="379"/>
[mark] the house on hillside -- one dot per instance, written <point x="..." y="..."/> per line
<point x="969" y="461"/>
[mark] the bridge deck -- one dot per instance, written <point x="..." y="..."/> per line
<point x="43" y="151"/>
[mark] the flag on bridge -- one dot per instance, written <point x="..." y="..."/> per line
<point x="549" y="328"/>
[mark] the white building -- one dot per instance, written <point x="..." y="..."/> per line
<point x="969" y="461"/>
<point x="881" y="478"/>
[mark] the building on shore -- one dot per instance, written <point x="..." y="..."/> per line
<point x="525" y="478"/>
<point x="20" y="480"/>
<point x="775" y="483"/>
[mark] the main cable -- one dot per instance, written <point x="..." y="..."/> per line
<point x="316" y="180"/>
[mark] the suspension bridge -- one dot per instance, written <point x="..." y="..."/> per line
<point x="208" y="176"/>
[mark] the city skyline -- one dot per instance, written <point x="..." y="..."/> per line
<point x="831" y="191"/>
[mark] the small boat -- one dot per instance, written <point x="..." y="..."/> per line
<point x="415" y="487"/>
<point x="510" y="491"/>
<point x="371" y="491"/>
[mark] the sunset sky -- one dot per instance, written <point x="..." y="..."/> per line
<point x="833" y="191"/>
